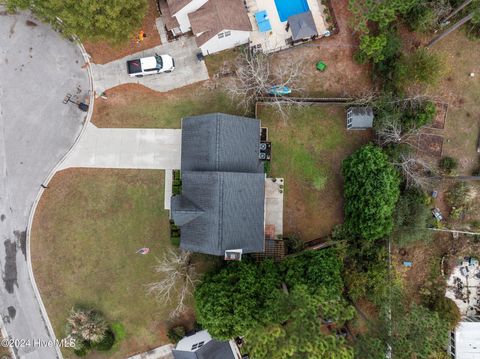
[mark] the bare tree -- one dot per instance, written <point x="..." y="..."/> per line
<point x="255" y="75"/>
<point x="393" y="133"/>
<point x="416" y="171"/>
<point x="178" y="278"/>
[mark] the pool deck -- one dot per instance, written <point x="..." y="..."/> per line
<point x="276" y="39"/>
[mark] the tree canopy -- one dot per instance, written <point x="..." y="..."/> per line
<point x="238" y="297"/>
<point x="371" y="191"/>
<point x="301" y="335"/>
<point x="112" y="21"/>
<point x="247" y="299"/>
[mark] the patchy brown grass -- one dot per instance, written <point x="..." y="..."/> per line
<point x="103" y="52"/>
<point x="343" y="77"/>
<point x="86" y="231"/>
<point x="307" y="151"/>
<point x="463" y="93"/>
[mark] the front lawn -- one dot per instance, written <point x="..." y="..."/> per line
<point x="87" y="228"/>
<point x="136" y="106"/>
<point x="307" y="151"/>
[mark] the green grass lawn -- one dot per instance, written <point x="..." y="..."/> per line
<point x="136" y="107"/>
<point x="87" y="228"/>
<point x="307" y="151"/>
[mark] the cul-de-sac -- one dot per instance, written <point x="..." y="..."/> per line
<point x="240" y="179"/>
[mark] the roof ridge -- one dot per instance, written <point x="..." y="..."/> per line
<point x="220" y="209"/>
<point x="217" y="140"/>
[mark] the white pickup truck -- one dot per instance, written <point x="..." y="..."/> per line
<point x="150" y="65"/>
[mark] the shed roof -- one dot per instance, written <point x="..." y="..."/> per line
<point x="218" y="211"/>
<point x="218" y="15"/>
<point x="220" y="142"/>
<point x="302" y="25"/>
<point x="361" y="116"/>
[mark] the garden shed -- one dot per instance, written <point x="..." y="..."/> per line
<point x="359" y="118"/>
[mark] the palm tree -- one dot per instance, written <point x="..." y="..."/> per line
<point x="86" y="325"/>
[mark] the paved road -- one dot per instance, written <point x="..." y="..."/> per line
<point x="38" y="67"/>
<point x="188" y="69"/>
<point x="126" y="148"/>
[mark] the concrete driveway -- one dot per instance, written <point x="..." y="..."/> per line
<point x="188" y="69"/>
<point x="38" y="68"/>
<point x="126" y="148"/>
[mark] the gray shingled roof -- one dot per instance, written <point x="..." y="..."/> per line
<point x="302" y="25"/>
<point x="229" y="211"/>
<point x="362" y="116"/>
<point x="220" y="142"/>
<point x="223" y="185"/>
<point x="212" y="350"/>
<point x="215" y="350"/>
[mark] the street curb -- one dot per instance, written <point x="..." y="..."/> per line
<point x="40" y="192"/>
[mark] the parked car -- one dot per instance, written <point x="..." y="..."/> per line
<point x="150" y="65"/>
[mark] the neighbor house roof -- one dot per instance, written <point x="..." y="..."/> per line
<point x="212" y="350"/>
<point x="177" y="5"/>
<point x="360" y="116"/>
<point x="170" y="21"/>
<point x="217" y="15"/>
<point x="302" y="25"/>
<point x="220" y="142"/>
<point x="218" y="211"/>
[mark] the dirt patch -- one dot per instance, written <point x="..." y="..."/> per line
<point x="430" y="144"/>
<point x="102" y="52"/>
<point x="343" y="76"/>
<point x="441" y="116"/>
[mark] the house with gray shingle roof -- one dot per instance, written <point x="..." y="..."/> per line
<point x="222" y="204"/>
<point x="202" y="346"/>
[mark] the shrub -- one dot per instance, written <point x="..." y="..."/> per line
<point x="118" y="331"/>
<point x="176" y="333"/>
<point x="293" y="244"/>
<point x="411" y="218"/>
<point x="447" y="310"/>
<point x="458" y="195"/>
<point x="448" y="164"/>
<point x="81" y="352"/>
<point x="421" y="18"/>
<point x="421" y="67"/>
<point x="107" y="342"/>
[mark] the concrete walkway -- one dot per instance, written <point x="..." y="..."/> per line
<point x="126" y="148"/>
<point x="188" y="69"/>
<point x="161" y="30"/>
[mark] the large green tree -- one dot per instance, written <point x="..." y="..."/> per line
<point x="301" y="336"/>
<point x="371" y="191"/>
<point x="112" y="21"/>
<point x="239" y="297"/>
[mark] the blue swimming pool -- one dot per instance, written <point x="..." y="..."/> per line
<point x="286" y="8"/>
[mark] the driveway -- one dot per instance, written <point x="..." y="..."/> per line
<point x="188" y="69"/>
<point x="38" y="68"/>
<point x="126" y="148"/>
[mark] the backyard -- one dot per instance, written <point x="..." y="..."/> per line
<point x="307" y="150"/>
<point x="87" y="229"/>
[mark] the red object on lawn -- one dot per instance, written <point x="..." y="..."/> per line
<point x="143" y="250"/>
